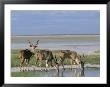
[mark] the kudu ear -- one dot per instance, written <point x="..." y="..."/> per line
<point x="37" y="42"/>
<point x="30" y="43"/>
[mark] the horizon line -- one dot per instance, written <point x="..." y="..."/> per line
<point x="54" y="34"/>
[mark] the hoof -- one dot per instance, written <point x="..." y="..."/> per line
<point x="63" y="68"/>
<point x="46" y="70"/>
<point x="71" y="68"/>
<point x="41" y="70"/>
<point x="34" y="69"/>
<point x="27" y="69"/>
<point x="57" y="70"/>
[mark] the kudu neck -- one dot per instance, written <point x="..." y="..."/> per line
<point x="33" y="50"/>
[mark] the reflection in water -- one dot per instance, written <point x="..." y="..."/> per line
<point x="82" y="73"/>
<point x="87" y="72"/>
<point x="68" y="73"/>
<point x="78" y="73"/>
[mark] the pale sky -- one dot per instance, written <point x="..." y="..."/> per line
<point x="55" y="22"/>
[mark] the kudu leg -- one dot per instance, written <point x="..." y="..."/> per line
<point x="78" y="62"/>
<point x="71" y="63"/>
<point x="40" y="63"/>
<point x="27" y="63"/>
<point x="62" y="63"/>
<point x="46" y="64"/>
<point x="21" y="64"/>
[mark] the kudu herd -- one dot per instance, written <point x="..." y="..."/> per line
<point x="47" y="56"/>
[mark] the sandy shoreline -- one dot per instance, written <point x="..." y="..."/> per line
<point x="78" y="49"/>
<point x="34" y="68"/>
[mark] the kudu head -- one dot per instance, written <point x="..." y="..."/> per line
<point x="33" y="46"/>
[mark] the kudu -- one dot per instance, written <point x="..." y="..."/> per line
<point x="26" y="54"/>
<point x="41" y="55"/>
<point x="67" y="54"/>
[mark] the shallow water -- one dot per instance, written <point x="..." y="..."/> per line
<point x="79" y="43"/>
<point x="88" y="72"/>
